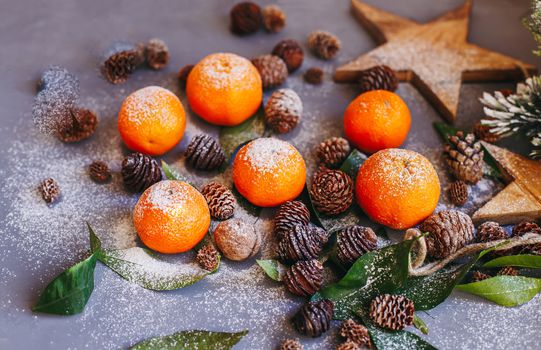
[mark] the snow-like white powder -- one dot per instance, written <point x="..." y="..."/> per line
<point x="268" y="155"/>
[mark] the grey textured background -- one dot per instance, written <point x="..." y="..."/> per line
<point x="35" y="34"/>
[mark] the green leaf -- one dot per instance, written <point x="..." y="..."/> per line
<point x="420" y="324"/>
<point x="172" y="174"/>
<point x="95" y="243"/>
<point x="396" y="340"/>
<point x="377" y="272"/>
<point x="192" y="340"/>
<point x="272" y="268"/>
<point x="492" y="169"/>
<point x="352" y="163"/>
<point x="445" y="130"/>
<point x="233" y="136"/>
<point x="504" y="290"/>
<point x="524" y="260"/>
<point x="144" y="268"/>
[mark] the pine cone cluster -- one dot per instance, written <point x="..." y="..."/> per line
<point x="304" y="278"/>
<point x="313" y="76"/>
<point x="99" y="171"/>
<point x="331" y="191"/>
<point x="50" y="191"/>
<point x="464" y="157"/>
<point x="458" y="192"/>
<point x="121" y="60"/>
<point x="246" y="18"/>
<point x="333" y="151"/>
<point x="324" y="44"/>
<point x="449" y="230"/>
<point x="156" y="54"/>
<point x="140" y="171"/>
<point x="355" y="333"/>
<point x="272" y="69"/>
<point x="291" y="344"/>
<point x="508" y="271"/>
<point x="220" y="199"/>
<point x="314" y="318"/>
<point x="393" y="312"/>
<point x="208" y="257"/>
<point x="283" y="110"/>
<point x="274" y="18"/>
<point x="204" y="153"/>
<point x="303" y="242"/>
<point x="84" y="123"/>
<point x="490" y="231"/>
<point x="478" y="276"/>
<point x="354" y="241"/>
<point x="290" y="214"/>
<point x="378" y="78"/>
<point x="291" y="52"/>
<point x="482" y="132"/>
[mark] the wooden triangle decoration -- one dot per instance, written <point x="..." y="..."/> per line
<point x="435" y="56"/>
<point x="521" y="199"/>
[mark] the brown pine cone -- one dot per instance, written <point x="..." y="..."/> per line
<point x="534" y="249"/>
<point x="331" y="191"/>
<point x="220" y="199"/>
<point x="156" y="54"/>
<point x="290" y="214"/>
<point x="490" y="231"/>
<point x="204" y="153"/>
<point x="303" y="242"/>
<point x="394" y="312"/>
<point x="50" y="191"/>
<point x="479" y="276"/>
<point x="291" y="344"/>
<point x="246" y="18"/>
<point x="333" y="151"/>
<point x="354" y="241"/>
<point x="140" y="171"/>
<point x="314" y="318"/>
<point x="464" y="157"/>
<point x="324" y="44"/>
<point x="449" y="230"/>
<point x="120" y="61"/>
<point x="283" y="110"/>
<point x="313" y="76"/>
<point x="378" y="78"/>
<point x="482" y="132"/>
<point x="183" y="75"/>
<point x="272" y="69"/>
<point x="291" y="52"/>
<point x="99" y="171"/>
<point x="304" y="278"/>
<point x="355" y="333"/>
<point x="274" y="18"/>
<point x="508" y="271"/>
<point x="524" y="227"/>
<point x="458" y="191"/>
<point x="84" y="123"/>
<point x="208" y="257"/>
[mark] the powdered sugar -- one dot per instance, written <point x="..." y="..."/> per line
<point x="268" y="155"/>
<point x="225" y="70"/>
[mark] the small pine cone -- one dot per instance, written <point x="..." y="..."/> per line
<point x="272" y="69"/>
<point x="291" y="344"/>
<point x="183" y="75"/>
<point x="479" y="276"/>
<point x="120" y="62"/>
<point x="99" y="171"/>
<point x="332" y="152"/>
<point x="490" y="231"/>
<point x="84" y="123"/>
<point x="458" y="191"/>
<point x="524" y="227"/>
<point x="220" y="199"/>
<point x="314" y="318"/>
<point x="313" y="76"/>
<point x="291" y="52"/>
<point x="378" y="78"/>
<point x="482" y="132"/>
<point x="449" y="230"/>
<point x="303" y="242"/>
<point x="290" y="214"/>
<point x="204" y="153"/>
<point x="354" y="241"/>
<point x="324" y="44"/>
<point x="283" y="110"/>
<point x="156" y="54"/>
<point x="508" y="271"/>
<point x="50" y="191"/>
<point x="140" y="171"/>
<point x="246" y="18"/>
<point x="348" y="345"/>
<point x="464" y="157"/>
<point x="208" y="257"/>
<point x="274" y="18"/>
<point x="355" y="333"/>
<point x="331" y="191"/>
<point x="304" y="278"/>
<point x="394" y="312"/>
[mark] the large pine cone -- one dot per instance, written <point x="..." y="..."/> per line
<point x="204" y="153"/>
<point x="354" y="241"/>
<point x="290" y="214"/>
<point x="332" y="152"/>
<point x="272" y="69"/>
<point x="220" y="199"/>
<point x="394" y="312"/>
<point x="331" y="191"/>
<point x="140" y="171"/>
<point x="283" y="110"/>
<point x="303" y="242"/>
<point x="314" y="318"/>
<point x="378" y="78"/>
<point x="304" y="278"/>
<point x="449" y="230"/>
<point x="465" y="157"/>
<point x="121" y="60"/>
<point x="355" y="332"/>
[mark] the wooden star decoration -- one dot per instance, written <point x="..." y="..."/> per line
<point x="521" y="199"/>
<point x="435" y="56"/>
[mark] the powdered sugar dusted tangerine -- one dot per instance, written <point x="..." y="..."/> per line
<point x="151" y="120"/>
<point x="224" y="89"/>
<point x="171" y="217"/>
<point x="397" y="188"/>
<point x="269" y="172"/>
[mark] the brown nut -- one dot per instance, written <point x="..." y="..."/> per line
<point x="237" y="240"/>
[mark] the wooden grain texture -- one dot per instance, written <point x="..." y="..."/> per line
<point x="434" y="56"/>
